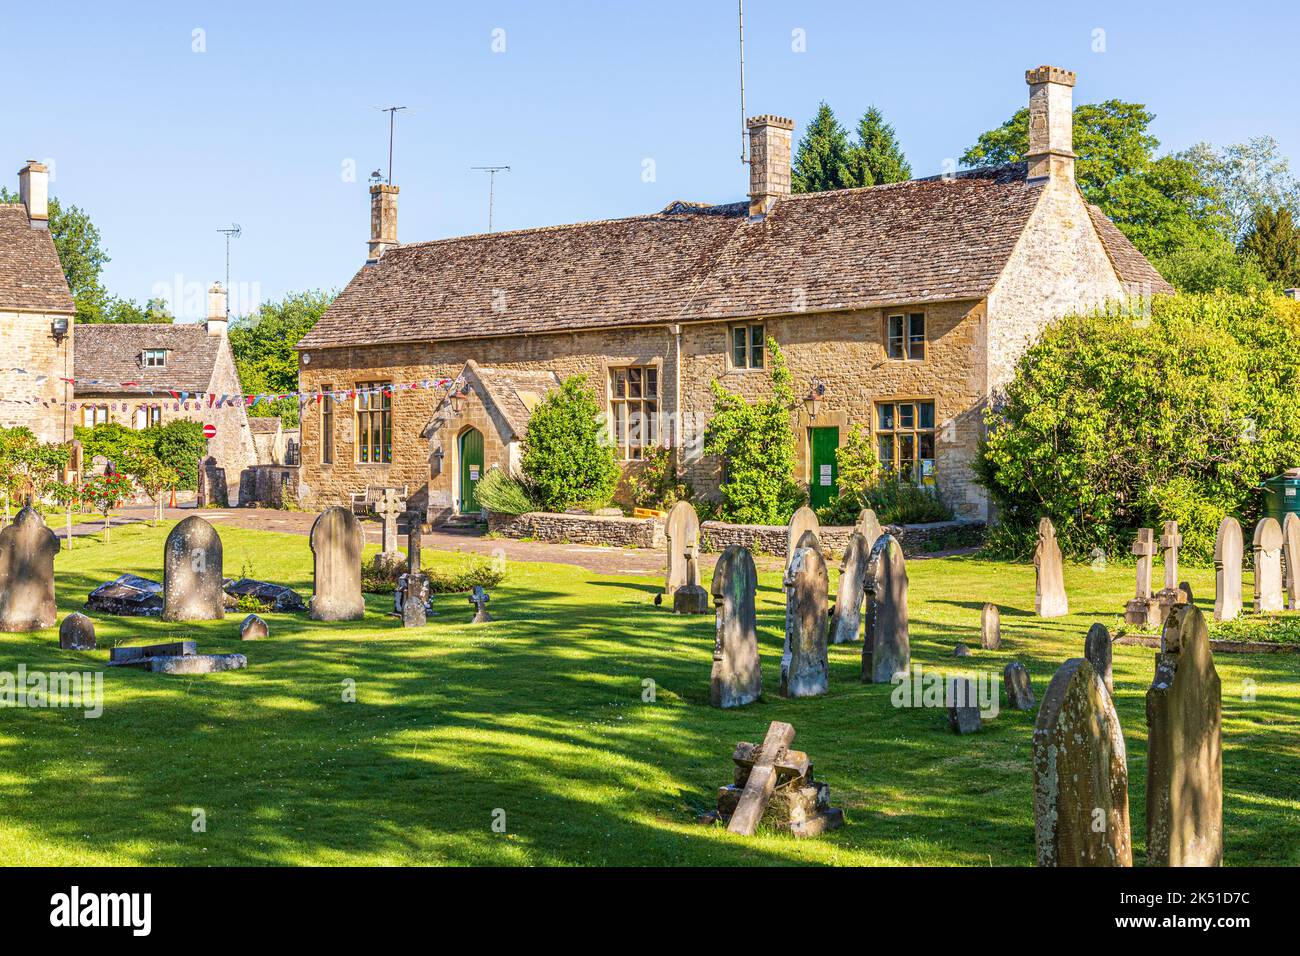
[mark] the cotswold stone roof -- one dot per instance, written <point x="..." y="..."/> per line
<point x="31" y="279"/>
<point x="1130" y="265"/>
<point x="111" y="354"/>
<point x="514" y="393"/>
<point x="925" y="240"/>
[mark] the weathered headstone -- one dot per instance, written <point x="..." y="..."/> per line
<point x="682" y="533"/>
<point x="27" y="551"/>
<point x="1171" y="595"/>
<point x="77" y="633"/>
<point x="1184" y="749"/>
<point x="1228" y="557"/>
<point x="887" y="648"/>
<point x="737" y="678"/>
<point x="212" y="490"/>
<point x="961" y="650"/>
<point x="1097" y="650"/>
<point x="846" y="621"/>
<point x="1049" y="577"/>
<point x="762" y="779"/>
<point x="127" y="594"/>
<point x="336" y="544"/>
<point x="479" y="598"/>
<point x="1141" y="610"/>
<point x="388" y="509"/>
<point x="1268" y="565"/>
<point x="962" y="699"/>
<point x="1080" y="774"/>
<point x="1187" y="592"/>
<point x="990" y="627"/>
<point x="192" y="573"/>
<point x="869" y="527"/>
<point x="253" y="628"/>
<point x="804" y="668"/>
<point x="803" y="521"/>
<point x="1291" y="559"/>
<point x="1019" y="688"/>
<point x="691" y="599"/>
<point x="415" y="586"/>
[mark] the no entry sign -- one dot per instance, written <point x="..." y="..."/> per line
<point x="209" y="430"/>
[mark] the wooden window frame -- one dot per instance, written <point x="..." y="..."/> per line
<point x="327" y="425"/>
<point x="623" y="407"/>
<point x="374" y="400"/>
<point x="740" y="355"/>
<point x="911" y="346"/>
<point x="94" y="411"/>
<point x="901" y="429"/>
<point x="144" y="358"/>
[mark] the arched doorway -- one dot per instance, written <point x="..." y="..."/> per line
<point x="470" y="453"/>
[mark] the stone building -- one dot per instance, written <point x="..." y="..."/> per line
<point x="36" y="315"/>
<point x="899" y="308"/>
<point x="146" y="374"/>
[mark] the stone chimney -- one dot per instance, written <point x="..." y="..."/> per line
<point x="383" y="220"/>
<point x="34" y="191"/>
<point x="769" y="161"/>
<point x="217" y="317"/>
<point x="1051" y="123"/>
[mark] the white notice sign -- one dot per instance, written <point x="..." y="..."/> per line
<point x="826" y="475"/>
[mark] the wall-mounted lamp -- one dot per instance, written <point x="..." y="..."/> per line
<point x="459" y="393"/>
<point x="59" y="327"/>
<point x="816" y="392"/>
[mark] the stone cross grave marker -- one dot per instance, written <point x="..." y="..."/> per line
<point x="1185" y="749"/>
<point x="1049" y="576"/>
<point x="1268" y="565"/>
<point x="1097" y="650"/>
<point x="1228" y="558"/>
<point x="192" y="573"/>
<point x="846" y="621"/>
<point x="1171" y="594"/>
<point x="762" y="779"/>
<point x="1291" y="559"/>
<point x="27" y="550"/>
<point x="415" y="582"/>
<point x="1141" y="609"/>
<point x="682" y="534"/>
<point x="990" y="627"/>
<point x="804" y="667"/>
<point x="336" y="544"/>
<point x="886" y="648"/>
<point x="1019" y="688"/>
<point x="1080" y="774"/>
<point x="479" y="598"/>
<point x="801" y="523"/>
<point x="389" y="508"/>
<point x="736" y="678"/>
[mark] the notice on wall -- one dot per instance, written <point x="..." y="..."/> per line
<point x="473" y="472"/>
<point x="825" y="479"/>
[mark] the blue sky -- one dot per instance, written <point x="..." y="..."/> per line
<point x="164" y="145"/>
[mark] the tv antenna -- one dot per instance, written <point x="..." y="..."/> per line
<point x="392" y="116"/>
<point x="492" y="182"/>
<point x="234" y="232"/>
<point x="743" y="153"/>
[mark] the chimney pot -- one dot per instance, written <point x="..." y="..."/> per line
<point x="1051" y="123"/>
<point x="34" y="191"/>
<point x="217" y="317"/>
<point x="383" y="220"/>
<point x="769" y="161"/>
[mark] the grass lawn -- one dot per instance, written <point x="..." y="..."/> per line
<point x="540" y="714"/>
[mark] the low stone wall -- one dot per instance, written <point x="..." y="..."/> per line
<point x="580" y="529"/>
<point x="915" y="538"/>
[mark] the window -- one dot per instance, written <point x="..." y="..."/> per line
<point x="905" y="439"/>
<point x="374" y="422"/>
<point x="154" y="358"/>
<point x="147" y="416"/>
<point x="634" y="407"/>
<point x="327" y="425"/>
<point x="747" y="346"/>
<point x="92" y="415"/>
<point x="906" y="336"/>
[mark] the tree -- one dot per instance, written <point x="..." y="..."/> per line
<point x="154" y="477"/>
<point x="1274" y="241"/>
<point x="754" y="441"/>
<point x="568" y="459"/>
<point x="876" y="158"/>
<point x="1209" y="265"/>
<point x="103" y="492"/>
<point x="263" y="347"/>
<point x="1246" y="177"/>
<point x="822" y="160"/>
<point x="28" y="468"/>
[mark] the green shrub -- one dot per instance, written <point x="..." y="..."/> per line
<point x="442" y="580"/>
<point x="502" y="494"/>
<point x="179" y="445"/>
<point x="568" y="459"/>
<point x="755" y="443"/>
<point x="28" y="467"/>
<point x="655" y="483"/>
<point x="894" y="502"/>
<point x="1115" y="422"/>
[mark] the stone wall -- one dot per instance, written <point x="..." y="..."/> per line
<point x="29" y="344"/>
<point x="581" y="529"/>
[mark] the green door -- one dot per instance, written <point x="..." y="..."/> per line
<point x="471" y="469"/>
<point x="823" y="471"/>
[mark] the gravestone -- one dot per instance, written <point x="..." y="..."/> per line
<point x="1187" y="591"/>
<point x="127" y="594"/>
<point x="1291" y="559"/>
<point x="1171" y="595"/>
<point x="1268" y="565"/>
<point x="1228" y="557"/>
<point x="1097" y="650"/>
<point x="1019" y="688"/>
<point x="803" y="521"/>
<point x="762" y="779"/>
<point x="27" y="551"/>
<point x="77" y="633"/>
<point x="253" y="628"/>
<point x="479" y="598"/>
<point x="846" y="621"/>
<point x="270" y="597"/>
<point x="212" y="489"/>
<point x="388" y="509"/>
<point x="1184" y="749"/>
<point x="869" y="527"/>
<point x="990" y="627"/>
<point x="1080" y="774"/>
<point x="886" y="648"/>
<point x="682" y="533"/>
<point x="192" y="575"/>
<point x="737" y="678"/>
<point x="804" y="667"/>
<point x="1049" y="576"/>
<point x="961" y="650"/>
<point x="415" y="584"/>
<point x="962" y="698"/>
<point x="336" y="544"/>
<point x="1142" y="610"/>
